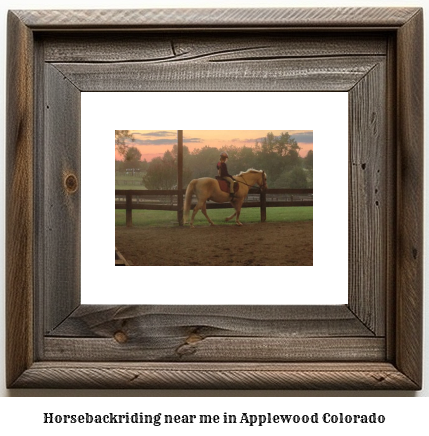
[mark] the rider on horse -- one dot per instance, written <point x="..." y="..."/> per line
<point x="223" y="172"/>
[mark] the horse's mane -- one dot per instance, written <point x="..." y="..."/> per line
<point x="250" y="170"/>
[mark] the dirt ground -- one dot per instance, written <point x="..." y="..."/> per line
<point x="252" y="244"/>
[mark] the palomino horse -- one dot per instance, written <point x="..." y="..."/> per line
<point x="207" y="188"/>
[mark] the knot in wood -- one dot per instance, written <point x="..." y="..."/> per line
<point x="71" y="183"/>
<point x="193" y="337"/>
<point x="120" y="337"/>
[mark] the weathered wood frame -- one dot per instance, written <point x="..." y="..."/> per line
<point x="374" y="342"/>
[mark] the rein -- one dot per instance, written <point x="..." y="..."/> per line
<point x="245" y="183"/>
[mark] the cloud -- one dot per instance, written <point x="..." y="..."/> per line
<point x="304" y="137"/>
<point x="192" y="140"/>
<point x="163" y="141"/>
<point x="155" y="142"/>
<point x="159" y="133"/>
<point x="252" y="140"/>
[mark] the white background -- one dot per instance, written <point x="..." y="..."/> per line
<point x="404" y="415"/>
<point x="324" y="113"/>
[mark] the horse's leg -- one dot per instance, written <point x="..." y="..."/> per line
<point x="231" y="217"/>
<point x="237" y="221"/>
<point x="204" y="211"/>
<point x="194" y="212"/>
<point x="200" y="205"/>
<point x="237" y="206"/>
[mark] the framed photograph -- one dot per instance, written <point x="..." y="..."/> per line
<point x="283" y="243"/>
<point x="57" y="340"/>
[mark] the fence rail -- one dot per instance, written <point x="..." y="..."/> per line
<point x="140" y="199"/>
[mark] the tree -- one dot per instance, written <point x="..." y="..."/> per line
<point x="283" y="145"/>
<point x="295" y="178"/>
<point x="308" y="165"/>
<point x="308" y="160"/>
<point x="286" y="146"/>
<point x="144" y="165"/>
<point x="121" y="137"/>
<point x="132" y="159"/>
<point x="161" y="172"/>
<point x="132" y="155"/>
<point x="247" y="158"/>
<point x="278" y="155"/>
<point x="175" y="152"/>
<point x="119" y="166"/>
<point x="203" y="161"/>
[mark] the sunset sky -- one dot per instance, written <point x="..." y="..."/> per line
<point x="153" y="143"/>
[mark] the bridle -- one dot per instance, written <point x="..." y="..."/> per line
<point x="243" y="183"/>
<point x="264" y="181"/>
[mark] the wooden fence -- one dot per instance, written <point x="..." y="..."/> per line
<point x="171" y="200"/>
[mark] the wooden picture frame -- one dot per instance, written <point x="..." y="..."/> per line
<point x="373" y="342"/>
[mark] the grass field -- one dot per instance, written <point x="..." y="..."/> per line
<point x="127" y="186"/>
<point x="157" y="218"/>
<point x="128" y="181"/>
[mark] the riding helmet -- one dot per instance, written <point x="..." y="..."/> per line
<point x="224" y="154"/>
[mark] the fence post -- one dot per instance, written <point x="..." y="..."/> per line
<point x="263" y="205"/>
<point x="180" y="177"/>
<point x="129" y="210"/>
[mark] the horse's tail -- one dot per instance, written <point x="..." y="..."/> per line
<point x="188" y="198"/>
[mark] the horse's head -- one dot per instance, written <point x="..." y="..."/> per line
<point x="254" y="177"/>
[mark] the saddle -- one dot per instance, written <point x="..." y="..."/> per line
<point x="224" y="185"/>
